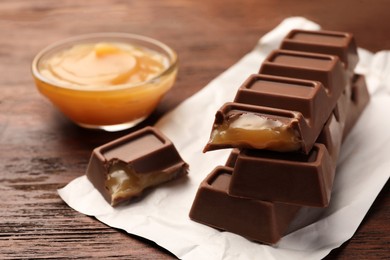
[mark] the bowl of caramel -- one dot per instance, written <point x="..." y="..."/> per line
<point x="109" y="81"/>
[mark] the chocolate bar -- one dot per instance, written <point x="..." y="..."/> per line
<point x="275" y="113"/>
<point x="341" y="44"/>
<point x="260" y="221"/>
<point x="304" y="99"/>
<point x="298" y="178"/>
<point x="122" y="169"/>
<point x="215" y="206"/>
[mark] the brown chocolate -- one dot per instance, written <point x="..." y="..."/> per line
<point x="341" y="44"/>
<point x="284" y="177"/>
<point x="216" y="207"/>
<point x="123" y="168"/>
<point x="359" y="100"/>
<point x="258" y="192"/>
<point x="260" y="221"/>
<point x="231" y="160"/>
<point x="244" y="125"/>
<point x="326" y="69"/>
<point x="308" y="98"/>
<point x="302" y="96"/>
<point x="296" y="178"/>
<point x="267" y="221"/>
<point x="307" y="101"/>
<point x="332" y="136"/>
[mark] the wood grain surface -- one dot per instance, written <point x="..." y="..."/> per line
<point x="41" y="151"/>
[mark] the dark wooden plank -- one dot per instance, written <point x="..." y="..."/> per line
<point x="41" y="151"/>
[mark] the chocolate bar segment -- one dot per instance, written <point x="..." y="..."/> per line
<point x="124" y="168"/>
<point x="260" y="221"/>
<point x="304" y="96"/>
<point x="340" y="44"/>
<point x="326" y="69"/>
<point x="292" y="178"/>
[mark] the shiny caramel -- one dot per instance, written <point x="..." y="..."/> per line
<point x="123" y="182"/>
<point x="259" y="131"/>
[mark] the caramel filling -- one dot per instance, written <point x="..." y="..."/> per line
<point x="255" y="131"/>
<point x="124" y="183"/>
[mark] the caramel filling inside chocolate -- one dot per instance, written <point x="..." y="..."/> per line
<point x="124" y="183"/>
<point x="256" y="131"/>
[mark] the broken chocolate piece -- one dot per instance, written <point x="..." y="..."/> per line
<point x="243" y="125"/>
<point x="123" y="168"/>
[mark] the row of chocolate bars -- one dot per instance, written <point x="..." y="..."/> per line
<point x="286" y="126"/>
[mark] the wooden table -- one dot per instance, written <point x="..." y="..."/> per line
<point x="41" y="151"/>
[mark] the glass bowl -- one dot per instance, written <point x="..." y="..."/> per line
<point x="111" y="107"/>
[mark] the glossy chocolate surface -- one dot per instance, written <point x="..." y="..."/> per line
<point x="123" y="168"/>
<point x="359" y="100"/>
<point x="297" y="178"/>
<point x="216" y="206"/>
<point x="281" y="92"/>
<point x="284" y="177"/>
<point x="253" y="122"/>
<point x="340" y="44"/>
<point x="260" y="221"/>
<point x="292" y="88"/>
<point x="326" y="69"/>
<point x="307" y="84"/>
<point x="309" y="98"/>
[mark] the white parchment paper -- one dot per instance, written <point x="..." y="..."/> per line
<point x="162" y="216"/>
